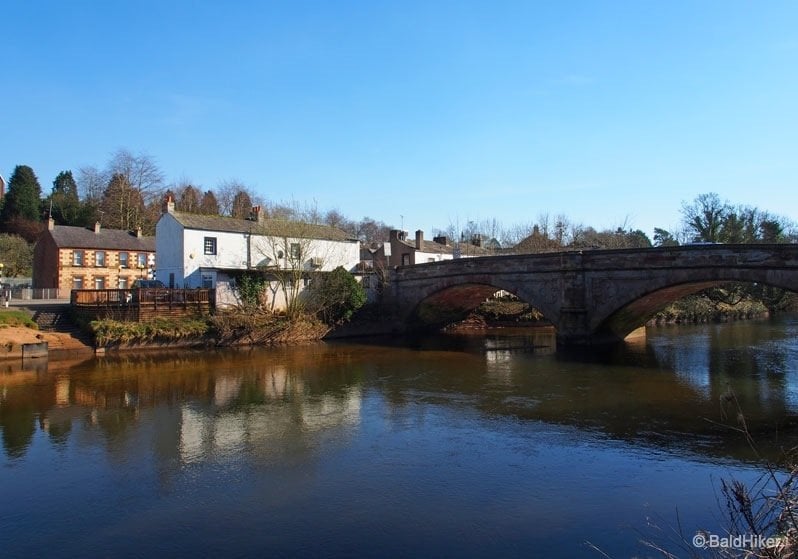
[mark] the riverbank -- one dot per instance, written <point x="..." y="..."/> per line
<point x="12" y="338"/>
<point x="257" y="327"/>
<point x="227" y="329"/>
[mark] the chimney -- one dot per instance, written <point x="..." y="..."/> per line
<point x="50" y="223"/>
<point x="138" y="232"/>
<point x="419" y="240"/>
<point x="257" y="214"/>
<point x="168" y="204"/>
<point x="97" y="227"/>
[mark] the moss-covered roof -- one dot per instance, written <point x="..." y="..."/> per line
<point x="268" y="227"/>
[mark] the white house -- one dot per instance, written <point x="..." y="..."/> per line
<point x="211" y="251"/>
<point x="405" y="253"/>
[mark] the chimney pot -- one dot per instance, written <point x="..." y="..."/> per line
<point x="168" y="204"/>
<point x="97" y="227"/>
<point x="50" y="223"/>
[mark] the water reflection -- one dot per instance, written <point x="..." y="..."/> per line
<point x="459" y="445"/>
<point x="666" y="390"/>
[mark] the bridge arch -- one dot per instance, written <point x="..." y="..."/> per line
<point x="447" y="304"/>
<point x="636" y="306"/>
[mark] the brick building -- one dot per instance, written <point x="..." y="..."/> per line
<point x="69" y="258"/>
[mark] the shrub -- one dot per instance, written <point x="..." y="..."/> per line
<point x="335" y="296"/>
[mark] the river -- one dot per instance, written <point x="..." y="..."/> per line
<point x="490" y="444"/>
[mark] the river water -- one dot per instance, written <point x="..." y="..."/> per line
<point x="475" y="445"/>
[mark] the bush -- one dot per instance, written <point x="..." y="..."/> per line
<point x="335" y="296"/>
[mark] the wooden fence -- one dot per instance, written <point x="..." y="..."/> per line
<point x="142" y="304"/>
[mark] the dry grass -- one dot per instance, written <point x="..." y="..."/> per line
<point x="262" y="327"/>
<point x="114" y="332"/>
<point x="761" y="517"/>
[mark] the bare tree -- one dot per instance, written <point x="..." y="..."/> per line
<point x="561" y="227"/>
<point x="140" y="171"/>
<point x="291" y="252"/>
<point x="369" y="230"/>
<point x="188" y="199"/>
<point x="705" y="216"/>
<point x="232" y="194"/>
<point x="91" y="184"/>
<point x="122" y="205"/>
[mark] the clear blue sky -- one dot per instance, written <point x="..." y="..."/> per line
<point x="435" y="111"/>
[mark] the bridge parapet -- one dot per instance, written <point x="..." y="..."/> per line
<point x="592" y="295"/>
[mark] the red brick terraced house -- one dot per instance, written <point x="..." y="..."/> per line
<point x="67" y="258"/>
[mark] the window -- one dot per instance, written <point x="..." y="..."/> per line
<point x="123" y="259"/>
<point x="99" y="283"/>
<point x="366" y="282"/>
<point x="296" y="251"/>
<point x="210" y="245"/>
<point x="208" y="279"/>
<point x="122" y="283"/>
<point x="77" y="258"/>
<point x="405" y="259"/>
<point x="142" y="260"/>
<point x="77" y="283"/>
<point x="99" y="259"/>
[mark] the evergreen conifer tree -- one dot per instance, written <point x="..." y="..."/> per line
<point x="23" y="199"/>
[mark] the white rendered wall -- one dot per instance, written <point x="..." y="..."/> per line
<point x="169" y="250"/>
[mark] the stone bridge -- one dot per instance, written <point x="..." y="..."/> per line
<point x="590" y="296"/>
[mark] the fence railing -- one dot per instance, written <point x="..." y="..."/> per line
<point x="150" y="296"/>
<point x="34" y="294"/>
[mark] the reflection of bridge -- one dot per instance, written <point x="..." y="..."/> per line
<point x="590" y="296"/>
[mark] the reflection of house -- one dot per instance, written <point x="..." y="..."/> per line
<point x="212" y="251"/>
<point x="406" y="253"/>
<point x="68" y="258"/>
<point x="294" y="416"/>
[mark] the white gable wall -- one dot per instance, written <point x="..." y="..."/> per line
<point x="231" y="253"/>
<point x="181" y="251"/>
<point x="169" y="250"/>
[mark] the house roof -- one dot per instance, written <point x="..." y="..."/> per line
<point x="466" y="249"/>
<point x="268" y="227"/>
<point x="66" y="236"/>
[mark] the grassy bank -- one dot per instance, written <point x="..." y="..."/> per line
<point x="227" y="328"/>
<point x="16" y="318"/>
<point x="109" y="332"/>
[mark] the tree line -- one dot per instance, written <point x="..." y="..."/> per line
<point x="127" y="193"/>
